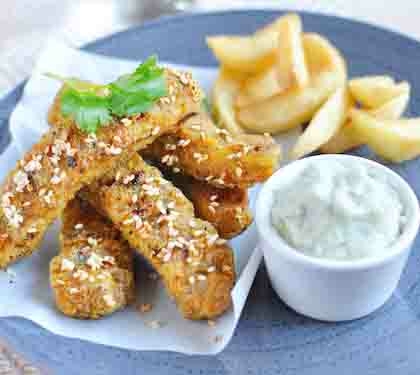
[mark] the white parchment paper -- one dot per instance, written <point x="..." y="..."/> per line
<point x="25" y="287"/>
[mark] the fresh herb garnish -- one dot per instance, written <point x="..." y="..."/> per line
<point x="89" y="110"/>
<point x="92" y="106"/>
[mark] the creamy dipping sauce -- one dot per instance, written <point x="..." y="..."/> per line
<point x="339" y="210"/>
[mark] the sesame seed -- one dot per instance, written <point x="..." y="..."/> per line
<point x="114" y="150"/>
<point x="238" y="171"/>
<point x="211" y="269"/>
<point x="191" y="280"/>
<point x="201" y="277"/>
<point x="81" y="275"/>
<point x="79" y="226"/>
<point x="109" y="300"/>
<point x="156" y="130"/>
<point x="67" y="265"/>
<point x="55" y="180"/>
<point x="127" y="121"/>
<point x="92" y="241"/>
<point x="21" y="180"/>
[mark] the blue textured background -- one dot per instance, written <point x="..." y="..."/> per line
<point x="270" y="339"/>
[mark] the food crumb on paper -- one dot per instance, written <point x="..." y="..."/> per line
<point x="155" y="324"/>
<point x="145" y="307"/>
<point x="218" y="338"/>
<point x="11" y="275"/>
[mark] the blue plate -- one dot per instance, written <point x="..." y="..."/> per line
<point x="270" y="339"/>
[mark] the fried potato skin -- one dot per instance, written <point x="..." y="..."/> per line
<point x="207" y="153"/>
<point x="195" y="265"/>
<point x="83" y="289"/>
<point x="65" y="159"/>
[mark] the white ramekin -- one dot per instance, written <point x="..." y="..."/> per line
<point x="326" y="289"/>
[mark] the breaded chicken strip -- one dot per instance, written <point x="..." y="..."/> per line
<point x="196" y="266"/>
<point x="65" y="159"/>
<point x="93" y="275"/>
<point x="226" y="209"/>
<point x="202" y="150"/>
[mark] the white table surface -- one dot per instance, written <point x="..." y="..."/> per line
<point x="26" y="24"/>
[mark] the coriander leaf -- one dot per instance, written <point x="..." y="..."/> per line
<point x="137" y="92"/>
<point x="88" y="110"/>
<point x="92" y="106"/>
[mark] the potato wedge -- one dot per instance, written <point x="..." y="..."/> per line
<point x="260" y="87"/>
<point x="295" y="106"/>
<point x="291" y="62"/>
<point x="375" y="91"/>
<point x="290" y="68"/>
<point x="223" y="95"/>
<point x="321" y="55"/>
<point x="274" y="26"/>
<point x="248" y="54"/>
<point x="393" y="140"/>
<point x="347" y="139"/>
<point x="394" y="108"/>
<point x="326" y="122"/>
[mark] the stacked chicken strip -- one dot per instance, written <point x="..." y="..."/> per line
<point x="122" y="202"/>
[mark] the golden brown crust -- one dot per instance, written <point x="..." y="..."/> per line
<point x="196" y="266"/>
<point x="93" y="275"/>
<point x="227" y="209"/>
<point x="208" y="153"/>
<point x="65" y="159"/>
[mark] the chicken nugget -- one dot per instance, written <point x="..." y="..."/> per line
<point x="196" y="266"/>
<point x="227" y="209"/>
<point x="202" y="150"/>
<point x="93" y="274"/>
<point x="66" y="159"/>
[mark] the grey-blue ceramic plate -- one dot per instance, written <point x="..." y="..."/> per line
<point x="270" y="339"/>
